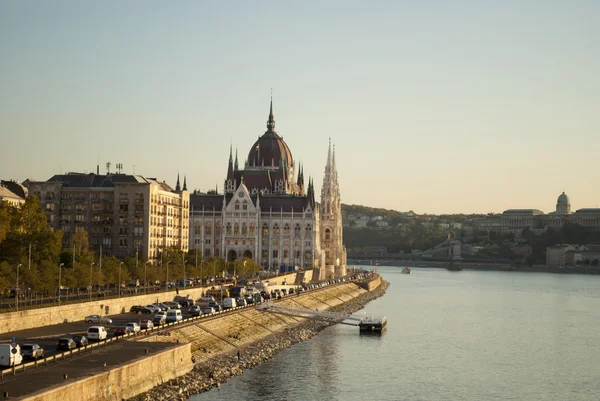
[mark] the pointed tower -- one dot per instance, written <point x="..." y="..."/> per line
<point x="235" y="167"/>
<point x="271" y="121"/>
<point x="185" y="183"/>
<point x="331" y="221"/>
<point x="229" y="182"/>
<point x="178" y="185"/>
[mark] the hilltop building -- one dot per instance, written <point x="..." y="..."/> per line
<point x="123" y="214"/>
<point x="268" y="212"/>
<point x="514" y="220"/>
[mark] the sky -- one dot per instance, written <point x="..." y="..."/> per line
<point x="433" y="106"/>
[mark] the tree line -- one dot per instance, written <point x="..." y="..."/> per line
<point x="27" y="241"/>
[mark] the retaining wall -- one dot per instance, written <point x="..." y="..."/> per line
<point x="46" y="316"/>
<point x="125" y="381"/>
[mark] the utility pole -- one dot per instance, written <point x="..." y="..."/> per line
<point x="120" y="264"/>
<point x="59" y="280"/>
<point x="17" y="288"/>
<point x="90" y="289"/>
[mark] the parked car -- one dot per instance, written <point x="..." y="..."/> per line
<point x="265" y="295"/>
<point x="284" y="291"/>
<point x="162" y="307"/>
<point x="98" y="333"/>
<point x="120" y="331"/>
<point x="249" y="299"/>
<point x="65" y="344"/>
<point x="160" y="318"/>
<point x="291" y="291"/>
<point x="196" y="310"/>
<point x="32" y="351"/>
<point x="229" y="303"/>
<point x="98" y="319"/>
<point x="80" y="341"/>
<point x="147" y="324"/>
<point x="140" y="308"/>
<point x="172" y="305"/>
<point x="154" y="308"/>
<point x="241" y="302"/>
<point x="207" y="310"/>
<point x="132" y="327"/>
<point x="174" y="315"/>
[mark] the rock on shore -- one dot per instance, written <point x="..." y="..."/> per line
<point x="217" y="370"/>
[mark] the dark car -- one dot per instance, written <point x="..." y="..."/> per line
<point x="80" y="341"/>
<point x="120" y="331"/>
<point x="32" y="351"/>
<point x="265" y="295"/>
<point x="140" y="308"/>
<point x="66" y="344"/>
<point x="195" y="310"/>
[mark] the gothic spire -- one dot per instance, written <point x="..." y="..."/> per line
<point x="328" y="165"/>
<point x="178" y="185"/>
<point x="236" y="160"/>
<point x="230" y="165"/>
<point x="185" y="183"/>
<point x="271" y="122"/>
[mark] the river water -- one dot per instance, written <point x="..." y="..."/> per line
<point x="467" y="335"/>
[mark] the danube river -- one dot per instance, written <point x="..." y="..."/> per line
<point x="468" y="335"/>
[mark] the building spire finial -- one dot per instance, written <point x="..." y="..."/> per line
<point x="271" y="121"/>
<point x="178" y="185"/>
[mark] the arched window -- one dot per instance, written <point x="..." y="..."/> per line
<point x="245" y="205"/>
<point x="276" y="230"/>
<point x="244" y="229"/>
<point x="308" y="227"/>
<point x="265" y="230"/>
<point x="252" y="229"/>
<point x="327" y="234"/>
<point x="228" y="229"/>
<point x="297" y="230"/>
<point x="237" y="205"/>
<point x="236" y="229"/>
<point x="286" y="230"/>
<point x="218" y="229"/>
<point x="197" y="228"/>
<point x="208" y="229"/>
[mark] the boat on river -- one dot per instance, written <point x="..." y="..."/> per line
<point x="405" y="270"/>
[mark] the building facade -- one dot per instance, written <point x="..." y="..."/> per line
<point x="12" y="193"/>
<point x="124" y="215"/>
<point x="268" y="214"/>
<point x="515" y="220"/>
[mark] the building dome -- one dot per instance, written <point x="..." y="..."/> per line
<point x="270" y="148"/>
<point x="563" y="204"/>
<point x="563" y="199"/>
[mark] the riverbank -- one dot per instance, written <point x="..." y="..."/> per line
<point x="214" y="371"/>
<point x="483" y="266"/>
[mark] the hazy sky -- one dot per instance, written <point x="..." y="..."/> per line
<point x="434" y="106"/>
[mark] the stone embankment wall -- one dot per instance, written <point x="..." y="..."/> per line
<point x="32" y="318"/>
<point x="125" y="381"/>
<point x="370" y="284"/>
<point x="257" y="336"/>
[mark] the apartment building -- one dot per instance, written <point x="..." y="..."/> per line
<point x="123" y="214"/>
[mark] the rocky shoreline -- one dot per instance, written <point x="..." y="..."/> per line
<point x="217" y="370"/>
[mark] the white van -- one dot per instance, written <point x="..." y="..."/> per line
<point x="8" y="357"/>
<point x="97" y="333"/>
<point x="174" y="315"/>
<point x="229" y="303"/>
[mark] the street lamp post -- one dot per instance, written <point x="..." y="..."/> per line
<point x="184" y="278"/>
<point x="146" y="277"/>
<point x="168" y="274"/>
<point x="59" y="280"/>
<point x="120" y="264"/>
<point x="17" y="288"/>
<point x="90" y="288"/>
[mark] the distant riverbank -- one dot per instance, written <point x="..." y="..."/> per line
<point x="482" y="266"/>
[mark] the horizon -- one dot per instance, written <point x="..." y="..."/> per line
<point x="435" y="108"/>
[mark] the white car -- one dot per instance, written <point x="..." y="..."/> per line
<point x="132" y="327"/>
<point x="154" y="308"/>
<point x="98" y="319"/>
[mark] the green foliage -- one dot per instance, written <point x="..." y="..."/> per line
<point x="395" y="238"/>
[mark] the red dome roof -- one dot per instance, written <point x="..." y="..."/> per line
<point x="270" y="148"/>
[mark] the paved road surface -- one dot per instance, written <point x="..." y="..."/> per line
<point x="78" y="366"/>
